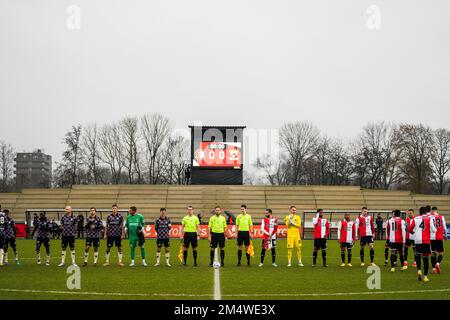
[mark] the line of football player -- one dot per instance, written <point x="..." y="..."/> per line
<point x="424" y="233"/>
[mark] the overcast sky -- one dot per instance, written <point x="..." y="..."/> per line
<point x="249" y="62"/>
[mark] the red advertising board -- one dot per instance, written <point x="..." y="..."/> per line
<point x="218" y="154"/>
<point x="175" y="231"/>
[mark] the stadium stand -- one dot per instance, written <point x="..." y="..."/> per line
<point x="149" y="198"/>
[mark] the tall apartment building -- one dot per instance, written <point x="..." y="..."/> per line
<point x="33" y="170"/>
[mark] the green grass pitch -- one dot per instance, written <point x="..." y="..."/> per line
<point x="30" y="281"/>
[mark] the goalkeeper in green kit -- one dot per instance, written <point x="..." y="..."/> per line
<point x="134" y="225"/>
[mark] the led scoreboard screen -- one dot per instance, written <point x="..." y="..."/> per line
<point x="218" y="154"/>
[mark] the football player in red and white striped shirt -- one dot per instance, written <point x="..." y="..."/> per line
<point x="422" y="227"/>
<point x="321" y="231"/>
<point x="396" y="234"/>
<point x="437" y="239"/>
<point x="346" y="237"/>
<point x="269" y="227"/>
<point x="365" y="230"/>
<point x="409" y="237"/>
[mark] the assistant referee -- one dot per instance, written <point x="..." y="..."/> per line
<point x="217" y="226"/>
<point x="244" y="225"/>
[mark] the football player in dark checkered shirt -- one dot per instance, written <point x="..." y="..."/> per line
<point x="42" y="226"/>
<point x="93" y="227"/>
<point x="114" y="234"/>
<point x="68" y="230"/>
<point x="162" y="227"/>
<point x="10" y="237"/>
<point x="2" y="235"/>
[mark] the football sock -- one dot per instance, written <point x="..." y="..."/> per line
<point x="194" y="253"/>
<point x="393" y="259"/>
<point x="289" y="254"/>
<point x="107" y="257"/>
<point x="274" y="255"/>
<point x="324" y="257"/>
<point x="158" y="257"/>
<point x="263" y="254"/>
<point x="343" y="256"/>
<point x="433" y="259"/>
<point x="143" y="253"/>
<point x="211" y="256"/>
<point x="132" y="252"/>
<point x="5" y="258"/>
<point x="386" y="254"/>
<point x="440" y="257"/>
<point x="405" y="254"/>
<point x="2" y="253"/>
<point x="402" y="259"/>
<point x="349" y="252"/>
<point x="95" y="256"/>
<point x="299" y="254"/>
<point x="185" y="254"/>
<point x="248" y="257"/>
<point x="372" y="255"/>
<point x="39" y="256"/>
<point x="314" y="257"/>
<point x="361" y="254"/>
<point x="222" y="255"/>
<point x="120" y="254"/>
<point x="426" y="263"/>
<point x="419" y="261"/>
<point x="86" y="255"/>
<point x="72" y="255"/>
<point x="239" y="255"/>
<point x="47" y="258"/>
<point x="63" y="256"/>
<point x="167" y="257"/>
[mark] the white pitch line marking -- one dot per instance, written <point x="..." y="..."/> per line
<point x="217" y="293"/>
<point x="224" y="295"/>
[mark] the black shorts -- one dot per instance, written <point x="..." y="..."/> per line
<point x="409" y="243"/>
<point x="42" y="241"/>
<point x="68" y="241"/>
<point x="163" y="242"/>
<point x="396" y="246"/>
<point x="423" y="248"/>
<point x="114" y="241"/>
<point x="11" y="242"/>
<point x="93" y="242"/>
<point x="320" y="243"/>
<point x="347" y="245"/>
<point x="190" y="238"/>
<point x="437" y="245"/>
<point x="366" y="240"/>
<point x="243" y="238"/>
<point x="217" y="239"/>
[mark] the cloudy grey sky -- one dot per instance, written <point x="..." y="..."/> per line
<point x="253" y="62"/>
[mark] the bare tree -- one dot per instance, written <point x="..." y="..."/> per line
<point x="68" y="170"/>
<point x="155" y="130"/>
<point x="275" y="170"/>
<point x="299" y="141"/>
<point x="131" y="137"/>
<point x="92" y="155"/>
<point x="174" y="160"/>
<point x="415" y="144"/>
<point x="440" y="159"/>
<point x="376" y="158"/>
<point x="112" y="151"/>
<point x="7" y="167"/>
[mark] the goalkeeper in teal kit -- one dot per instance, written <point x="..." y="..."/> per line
<point x="134" y="225"/>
